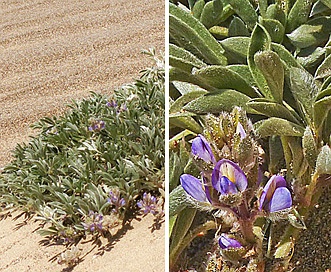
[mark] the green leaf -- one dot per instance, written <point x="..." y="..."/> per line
<point x="197" y="8"/>
<point x="178" y="105"/>
<point x="323" y="162"/>
<point x="237" y="28"/>
<point x="311" y="56"/>
<point x="260" y="41"/>
<point x="216" y="102"/>
<point x="243" y="71"/>
<point x="323" y="93"/>
<point x="263" y="5"/>
<point x="326" y="84"/>
<point x="221" y="77"/>
<point x="185" y="122"/>
<point x="287" y="58"/>
<point x="272" y="109"/>
<point x="276" y="155"/>
<point x="185" y="87"/>
<point x="321" y="109"/>
<point x="275" y="29"/>
<point x="272" y="69"/>
<point x="318" y="8"/>
<point x="246" y="11"/>
<point x="314" y="32"/>
<point x="324" y="70"/>
<point x="211" y="13"/>
<point x="309" y="147"/>
<point x="190" y="34"/>
<point x="304" y="90"/>
<point x="299" y="163"/>
<point x="275" y="12"/>
<point x="298" y="15"/>
<point x="176" y="74"/>
<point x="236" y="48"/>
<point x="177" y="200"/>
<point x="327" y="3"/>
<point x="183" y="59"/>
<point x="278" y="126"/>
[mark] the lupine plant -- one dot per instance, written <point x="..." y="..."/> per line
<point x="250" y="128"/>
<point x="84" y="172"/>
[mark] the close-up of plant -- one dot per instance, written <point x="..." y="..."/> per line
<point x="250" y="100"/>
<point x="87" y="171"/>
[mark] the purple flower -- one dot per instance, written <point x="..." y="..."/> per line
<point x="275" y="196"/>
<point x="112" y="104"/>
<point x="202" y="149"/>
<point x="116" y="200"/>
<point x="228" y="178"/>
<point x="93" y="222"/>
<point x="148" y="204"/>
<point x="240" y="129"/>
<point x="97" y="125"/>
<point x="226" y="242"/>
<point x="194" y="187"/>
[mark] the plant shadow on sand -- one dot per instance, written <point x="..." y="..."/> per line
<point x="93" y="245"/>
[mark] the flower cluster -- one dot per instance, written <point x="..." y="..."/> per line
<point x="224" y="186"/>
<point x="114" y="104"/>
<point x="115" y="200"/>
<point x="227" y="178"/>
<point x="97" y="125"/>
<point x="93" y="222"/>
<point x="149" y="204"/>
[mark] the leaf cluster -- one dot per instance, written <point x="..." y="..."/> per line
<point x="67" y="169"/>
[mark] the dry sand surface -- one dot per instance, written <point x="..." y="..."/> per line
<point x="50" y="53"/>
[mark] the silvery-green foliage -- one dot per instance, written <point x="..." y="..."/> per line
<point x="272" y="59"/>
<point x="102" y="142"/>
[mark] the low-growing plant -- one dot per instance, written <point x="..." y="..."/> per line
<point x="85" y="171"/>
<point x="253" y="181"/>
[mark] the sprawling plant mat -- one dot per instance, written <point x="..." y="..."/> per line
<point x="88" y="170"/>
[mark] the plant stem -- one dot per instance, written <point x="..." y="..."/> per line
<point x="246" y="223"/>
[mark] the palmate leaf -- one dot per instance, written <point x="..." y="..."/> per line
<point x="272" y="69"/>
<point x="190" y="34"/>
<point x="298" y="15"/>
<point x="314" y="32"/>
<point x="237" y="28"/>
<point x="183" y="59"/>
<point x="323" y="162"/>
<point x="218" y="101"/>
<point x="309" y="147"/>
<point x="220" y="77"/>
<point x="246" y="11"/>
<point x="279" y="127"/>
<point x="324" y="70"/>
<point x="304" y="90"/>
<point x="275" y="29"/>
<point x="211" y="13"/>
<point x="272" y="109"/>
<point x="274" y="11"/>
<point x="260" y="41"/>
<point x="321" y="110"/>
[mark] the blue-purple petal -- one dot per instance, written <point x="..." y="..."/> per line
<point x="276" y="181"/>
<point x="227" y="187"/>
<point x="226" y="242"/>
<point x="240" y="129"/>
<point x="230" y="170"/>
<point x="193" y="187"/>
<point x="280" y="200"/>
<point x="202" y="149"/>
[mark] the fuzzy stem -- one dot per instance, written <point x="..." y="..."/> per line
<point x="246" y="223"/>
